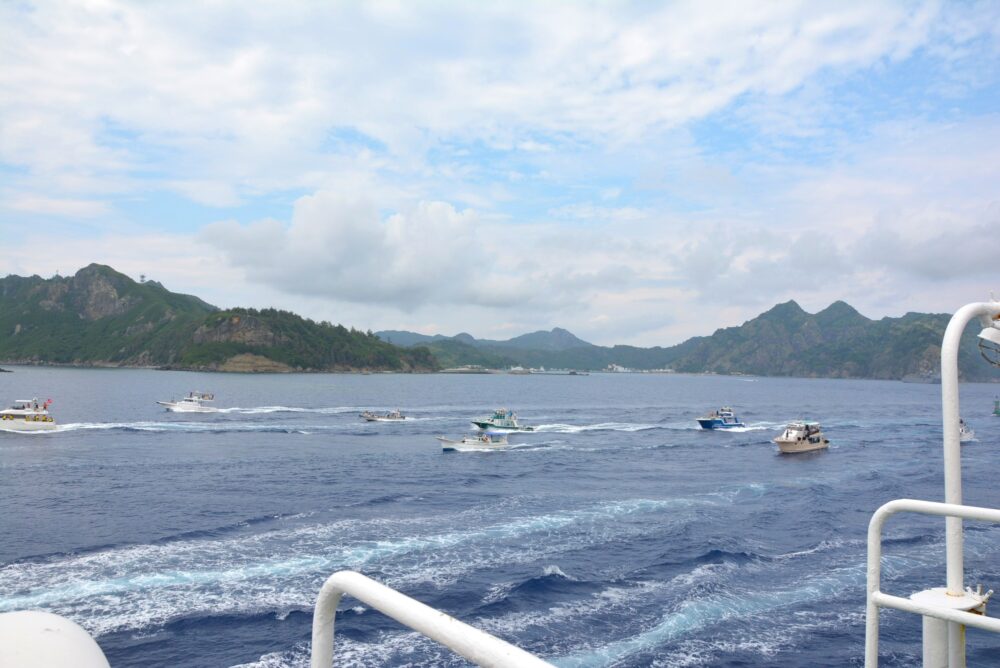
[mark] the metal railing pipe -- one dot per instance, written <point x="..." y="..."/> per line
<point x="950" y="424"/>
<point x="956" y="616"/>
<point x="876" y="598"/>
<point x="477" y="646"/>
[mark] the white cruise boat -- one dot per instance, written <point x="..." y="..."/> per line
<point x="481" y="442"/>
<point x="27" y="415"/>
<point x="194" y="402"/>
<point x="801" y="437"/>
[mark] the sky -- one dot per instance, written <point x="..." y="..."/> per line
<point x="635" y="172"/>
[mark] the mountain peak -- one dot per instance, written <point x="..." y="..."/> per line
<point x="840" y="311"/>
<point x="555" y="339"/>
<point x="789" y="309"/>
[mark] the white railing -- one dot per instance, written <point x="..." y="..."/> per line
<point x="477" y="646"/>
<point x="877" y="599"/>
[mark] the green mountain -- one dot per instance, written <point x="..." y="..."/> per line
<point x="102" y="317"/>
<point x="837" y="342"/>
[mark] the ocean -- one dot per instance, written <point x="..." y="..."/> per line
<point x="616" y="534"/>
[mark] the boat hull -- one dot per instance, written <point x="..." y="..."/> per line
<point x="716" y="423"/>
<point x="450" y="445"/>
<point x="383" y="419"/>
<point x="21" y="425"/>
<point x="801" y="445"/>
<point x="177" y="408"/>
<point x="484" y="425"/>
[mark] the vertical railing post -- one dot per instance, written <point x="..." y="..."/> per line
<point x="950" y="415"/>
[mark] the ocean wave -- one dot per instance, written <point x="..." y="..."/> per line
<point x="697" y="613"/>
<point x="148" y="585"/>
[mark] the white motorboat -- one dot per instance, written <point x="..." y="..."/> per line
<point x="481" y="442"/>
<point x="965" y="432"/>
<point x="27" y="415"/>
<point x="801" y="437"/>
<point x="391" y="416"/>
<point x="194" y="402"/>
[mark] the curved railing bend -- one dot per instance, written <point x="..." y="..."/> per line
<point x="477" y="646"/>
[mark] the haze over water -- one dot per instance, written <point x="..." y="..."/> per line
<point x="617" y="534"/>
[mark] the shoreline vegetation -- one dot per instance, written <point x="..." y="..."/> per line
<point x="102" y="318"/>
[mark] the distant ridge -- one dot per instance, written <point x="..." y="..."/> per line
<point x="837" y="342"/>
<point x="102" y="317"/>
<point x="555" y="339"/>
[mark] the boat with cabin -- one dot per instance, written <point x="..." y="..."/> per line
<point x="801" y="437"/>
<point x="27" y="415"/>
<point x="481" y="442"/>
<point x="502" y="418"/>
<point x="965" y="432"/>
<point x="390" y="416"/>
<point x="724" y="418"/>
<point x="194" y="402"/>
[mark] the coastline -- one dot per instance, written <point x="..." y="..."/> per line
<point x="206" y="369"/>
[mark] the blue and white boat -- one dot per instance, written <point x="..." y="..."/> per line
<point x="724" y="418"/>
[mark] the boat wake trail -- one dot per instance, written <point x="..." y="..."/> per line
<point x="259" y="410"/>
<point x="603" y="426"/>
<point x="192" y="427"/>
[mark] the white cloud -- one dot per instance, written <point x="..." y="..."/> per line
<point x="61" y="207"/>
<point x="569" y="129"/>
<point x="240" y="98"/>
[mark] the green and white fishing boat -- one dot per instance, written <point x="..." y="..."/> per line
<point x="502" y="418"/>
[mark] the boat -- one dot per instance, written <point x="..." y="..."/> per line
<point x="194" y="402"/>
<point x="27" y="415"/>
<point x="965" y="432"/>
<point x="996" y="408"/>
<point x="502" y="418"/>
<point x="481" y="442"/>
<point x="801" y="437"/>
<point x="724" y="418"/>
<point x="391" y="416"/>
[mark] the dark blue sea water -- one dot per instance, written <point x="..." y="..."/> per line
<point x="618" y="534"/>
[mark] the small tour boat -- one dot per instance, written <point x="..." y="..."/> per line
<point x="724" y="418"/>
<point x="501" y="419"/>
<point x="481" y="442"/>
<point x="801" y="437"/>
<point x="391" y="416"/>
<point x="194" y="402"/>
<point x="27" y="415"/>
<point x="965" y="432"/>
